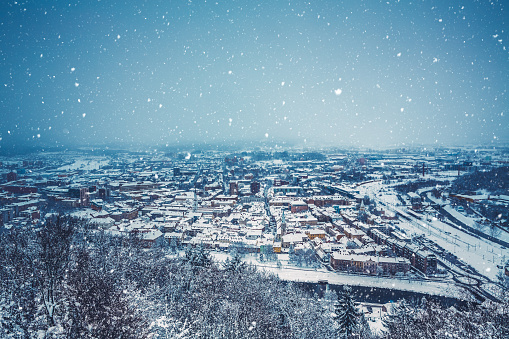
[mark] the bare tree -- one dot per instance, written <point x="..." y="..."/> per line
<point x="18" y="286"/>
<point x="97" y="304"/>
<point x="54" y="241"/>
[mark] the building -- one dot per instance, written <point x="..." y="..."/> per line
<point x="353" y="233"/>
<point x="16" y="189"/>
<point x="125" y="213"/>
<point x="255" y="187"/>
<point x="234" y="188"/>
<point x="285" y="190"/>
<point x="293" y="238"/>
<point x="415" y="200"/>
<point x="422" y="260"/>
<point x="317" y="233"/>
<point x="369" y="264"/>
<point x="148" y="237"/>
<point x="277" y="247"/>
<point x="138" y="186"/>
<point x="84" y="197"/>
<point x="298" y="206"/>
<point x="328" y="200"/>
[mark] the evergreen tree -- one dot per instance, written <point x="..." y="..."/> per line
<point x="202" y="257"/>
<point x="346" y="312"/>
<point x="197" y="257"/>
<point x="189" y="254"/>
<point x="399" y="319"/>
<point x="292" y="257"/>
<point x="173" y="245"/>
<point x="235" y="264"/>
<point x="363" y="329"/>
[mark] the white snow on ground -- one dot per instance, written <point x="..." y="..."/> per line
<point x="470" y="221"/>
<point x="481" y="254"/>
<point x="376" y="325"/>
<point x="429" y="287"/>
<point x="311" y="275"/>
<point x="85" y="164"/>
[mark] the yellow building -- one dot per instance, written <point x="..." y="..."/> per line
<point x="315" y="234"/>
<point x="277" y="247"/>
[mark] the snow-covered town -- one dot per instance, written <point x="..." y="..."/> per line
<point x="402" y="219"/>
<point x="254" y="169"/>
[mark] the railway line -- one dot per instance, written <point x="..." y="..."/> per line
<point x="465" y="277"/>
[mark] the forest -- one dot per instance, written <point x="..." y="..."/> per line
<point x="495" y="181"/>
<point x="67" y="280"/>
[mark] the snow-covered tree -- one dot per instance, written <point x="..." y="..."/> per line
<point x="97" y="305"/>
<point x="173" y="245"/>
<point x="346" y="313"/>
<point x="292" y="257"/>
<point x="235" y="264"/>
<point x="54" y="241"/>
<point x="18" y="286"/>
<point x="399" y="317"/>
<point x="363" y="330"/>
<point x="198" y="256"/>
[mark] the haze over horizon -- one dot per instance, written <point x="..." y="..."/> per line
<point x="361" y="74"/>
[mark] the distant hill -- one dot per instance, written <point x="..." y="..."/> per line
<point x="495" y="181"/>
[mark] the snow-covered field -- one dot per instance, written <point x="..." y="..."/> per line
<point x="85" y="164"/>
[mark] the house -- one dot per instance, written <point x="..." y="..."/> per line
<point x="254" y="234"/>
<point x="316" y="233"/>
<point x="148" y="237"/>
<point x="293" y="238"/>
<point x="175" y="237"/>
<point x="298" y="206"/>
<point x="353" y="233"/>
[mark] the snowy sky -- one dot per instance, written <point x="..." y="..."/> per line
<point x="361" y="73"/>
